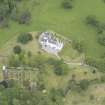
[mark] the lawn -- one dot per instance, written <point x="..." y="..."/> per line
<point x="70" y="23"/>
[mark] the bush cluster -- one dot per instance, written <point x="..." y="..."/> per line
<point x="67" y="4"/>
<point x="9" y="11"/>
<point x="91" y="20"/>
<point x="59" y="67"/>
<point x="24" y="38"/>
<point x="100" y="28"/>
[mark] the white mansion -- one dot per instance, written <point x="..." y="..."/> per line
<point x="50" y="43"/>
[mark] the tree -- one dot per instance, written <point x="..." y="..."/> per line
<point x="6" y="8"/>
<point x="17" y="49"/>
<point x="91" y="20"/>
<point x="14" y="15"/>
<point x="24" y="38"/>
<point x="24" y="17"/>
<point x="9" y="10"/>
<point x="56" y="96"/>
<point x="60" y="68"/>
<point x="67" y="4"/>
<point x="101" y="40"/>
<point x="95" y="23"/>
<point x="84" y="84"/>
<point x="3" y="14"/>
<point x="11" y="5"/>
<point x="58" y="71"/>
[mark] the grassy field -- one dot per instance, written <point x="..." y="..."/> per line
<point x="49" y="15"/>
<point x="70" y="23"/>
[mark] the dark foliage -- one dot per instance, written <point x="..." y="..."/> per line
<point x="24" y="38"/>
<point x="84" y="84"/>
<point x="67" y="4"/>
<point x="17" y="49"/>
<point x="6" y="8"/>
<point x="24" y="17"/>
<point x="9" y="11"/>
<point x="101" y="40"/>
<point x="4" y="83"/>
<point x="91" y="20"/>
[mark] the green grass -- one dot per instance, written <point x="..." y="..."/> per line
<point x="82" y="98"/>
<point x="70" y="23"/>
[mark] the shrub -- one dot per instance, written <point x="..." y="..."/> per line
<point x="24" y="38"/>
<point x="17" y="49"/>
<point x="91" y="20"/>
<point x="67" y="5"/>
<point x="29" y="54"/>
<point x="91" y="97"/>
<point x="3" y="22"/>
<point x="94" y="71"/>
<point x="14" y="15"/>
<point x="101" y="40"/>
<point x="102" y="79"/>
<point x="104" y="1"/>
<point x="1" y="18"/>
<point x="26" y="84"/>
<point x="58" y="71"/>
<point x="24" y="17"/>
<point x="14" y="61"/>
<point x="6" y="9"/>
<point x="90" y="61"/>
<point x="60" y="68"/>
<point x="70" y="86"/>
<point x="40" y="86"/>
<point x="97" y="63"/>
<point x="78" y="45"/>
<point x="56" y="96"/>
<point x="84" y="84"/>
<point x="101" y="28"/>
